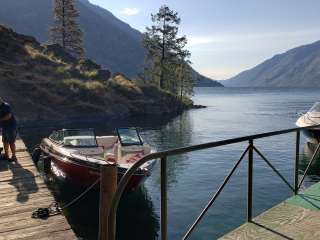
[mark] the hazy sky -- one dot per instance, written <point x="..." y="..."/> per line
<point x="229" y="36"/>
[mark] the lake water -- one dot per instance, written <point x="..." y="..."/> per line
<point x="194" y="177"/>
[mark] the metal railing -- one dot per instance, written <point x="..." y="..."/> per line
<point x="251" y="148"/>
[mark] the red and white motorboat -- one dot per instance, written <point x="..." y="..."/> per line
<point x="76" y="154"/>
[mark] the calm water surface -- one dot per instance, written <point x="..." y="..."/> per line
<point x="194" y="177"/>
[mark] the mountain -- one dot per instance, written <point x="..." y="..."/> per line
<point x="298" y="67"/>
<point x="202" y="81"/>
<point x="111" y="42"/>
<point x="43" y="82"/>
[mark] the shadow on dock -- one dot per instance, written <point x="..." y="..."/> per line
<point x="22" y="191"/>
<point x="22" y="179"/>
<point x="4" y="166"/>
<point x="313" y="200"/>
<point x="272" y="231"/>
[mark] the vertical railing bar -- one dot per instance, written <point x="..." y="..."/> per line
<point x="273" y="168"/>
<point x="215" y="196"/>
<point x="296" y="166"/>
<point x="309" y="165"/>
<point x="250" y="176"/>
<point x="163" y="201"/>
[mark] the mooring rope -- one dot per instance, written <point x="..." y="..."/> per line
<point x="55" y="209"/>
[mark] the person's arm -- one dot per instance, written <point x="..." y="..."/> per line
<point x="6" y="117"/>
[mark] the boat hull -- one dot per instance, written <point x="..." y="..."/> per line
<point x="308" y="120"/>
<point x="85" y="176"/>
<point x="313" y="135"/>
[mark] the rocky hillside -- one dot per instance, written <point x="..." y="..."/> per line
<point x="44" y="82"/>
<point x="299" y="67"/>
<point x="109" y="41"/>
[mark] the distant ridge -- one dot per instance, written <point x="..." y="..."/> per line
<point x="202" y="81"/>
<point x="111" y="42"/>
<point x="298" y="67"/>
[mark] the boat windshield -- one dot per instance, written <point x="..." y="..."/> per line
<point x="129" y="136"/>
<point x="315" y="108"/>
<point x="79" y="138"/>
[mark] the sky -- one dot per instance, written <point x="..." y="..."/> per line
<point x="226" y="37"/>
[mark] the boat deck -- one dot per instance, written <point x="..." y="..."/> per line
<point x="296" y="218"/>
<point x="22" y="191"/>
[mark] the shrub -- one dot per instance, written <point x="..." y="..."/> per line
<point x="77" y="85"/>
<point x="90" y="74"/>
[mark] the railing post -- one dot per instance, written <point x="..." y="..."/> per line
<point x="108" y="186"/>
<point x="296" y="167"/>
<point x="250" y="169"/>
<point x="163" y="216"/>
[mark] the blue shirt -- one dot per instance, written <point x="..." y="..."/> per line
<point x="4" y="110"/>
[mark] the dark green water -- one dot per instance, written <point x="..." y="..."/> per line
<point x="194" y="177"/>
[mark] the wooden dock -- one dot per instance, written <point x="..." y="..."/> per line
<point x="296" y="218"/>
<point x="22" y="191"/>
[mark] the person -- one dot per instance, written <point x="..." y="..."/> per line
<point x="9" y="130"/>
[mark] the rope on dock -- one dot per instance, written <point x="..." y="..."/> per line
<point x="54" y="208"/>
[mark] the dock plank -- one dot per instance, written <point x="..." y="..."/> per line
<point x="296" y="218"/>
<point x="22" y="190"/>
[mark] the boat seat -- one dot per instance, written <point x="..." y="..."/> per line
<point x="130" y="154"/>
<point x="106" y="141"/>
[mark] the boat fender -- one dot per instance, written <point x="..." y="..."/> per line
<point x="36" y="155"/>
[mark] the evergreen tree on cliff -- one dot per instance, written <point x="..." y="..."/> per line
<point x="165" y="51"/>
<point x="185" y="79"/>
<point x="66" y="31"/>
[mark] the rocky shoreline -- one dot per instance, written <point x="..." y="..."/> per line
<point x="44" y="83"/>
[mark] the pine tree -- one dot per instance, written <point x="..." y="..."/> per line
<point x="186" y="80"/>
<point x="165" y="50"/>
<point x="66" y="31"/>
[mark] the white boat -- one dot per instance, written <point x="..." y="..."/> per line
<point x="312" y="117"/>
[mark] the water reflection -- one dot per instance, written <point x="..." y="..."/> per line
<point x="314" y="171"/>
<point x="177" y="133"/>
<point x="136" y="216"/>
